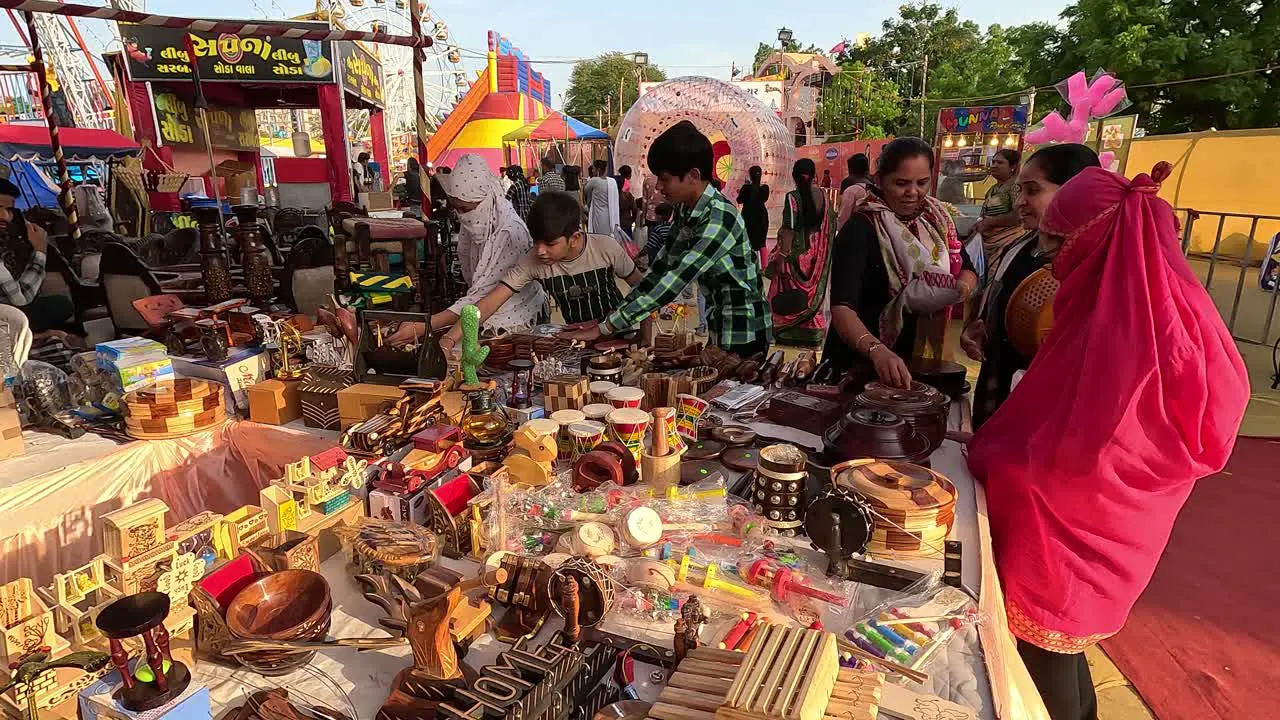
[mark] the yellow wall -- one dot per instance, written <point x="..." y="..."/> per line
<point x="1232" y="171"/>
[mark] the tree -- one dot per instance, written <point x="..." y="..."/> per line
<point x="951" y="45"/>
<point x="1156" y="42"/>
<point x="594" y="86"/>
<point x="858" y="103"/>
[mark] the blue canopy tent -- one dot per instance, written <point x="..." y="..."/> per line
<point x="37" y="189"/>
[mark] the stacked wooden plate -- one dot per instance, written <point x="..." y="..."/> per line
<point x="912" y="506"/>
<point x="173" y="409"/>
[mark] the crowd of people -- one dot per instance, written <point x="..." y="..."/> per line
<point x="1088" y="445"/>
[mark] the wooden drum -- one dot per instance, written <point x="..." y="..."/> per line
<point x="913" y="507"/>
<point x="595" y="590"/>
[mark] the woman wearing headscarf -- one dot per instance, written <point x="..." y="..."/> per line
<point x="493" y="239"/>
<point x="800" y="267"/>
<point x="986" y="338"/>
<point x="896" y="270"/>
<point x="1137" y="392"/>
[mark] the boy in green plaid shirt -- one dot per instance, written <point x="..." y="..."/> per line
<point x="709" y="244"/>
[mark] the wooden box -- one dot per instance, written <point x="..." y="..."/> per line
<point x="11" y="444"/>
<point x="243" y="528"/>
<point x="292" y="550"/>
<point x="196" y="535"/>
<point x="281" y="508"/>
<point x="26" y="622"/>
<point x="568" y="392"/>
<point x="274" y="402"/>
<point x="139" y="573"/>
<point x="364" y="400"/>
<point x="803" y="412"/>
<point x="134" y="530"/>
<point x="318" y="395"/>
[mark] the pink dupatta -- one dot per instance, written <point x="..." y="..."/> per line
<point x="1137" y="392"/>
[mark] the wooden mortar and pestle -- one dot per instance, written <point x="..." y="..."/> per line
<point x="660" y="467"/>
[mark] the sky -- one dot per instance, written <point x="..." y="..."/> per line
<point x="685" y="37"/>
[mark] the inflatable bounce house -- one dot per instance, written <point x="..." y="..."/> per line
<point x="508" y="95"/>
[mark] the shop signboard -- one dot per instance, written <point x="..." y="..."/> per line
<point x="159" y="53"/>
<point x="229" y="129"/>
<point x="985" y="119"/>
<point x="361" y="73"/>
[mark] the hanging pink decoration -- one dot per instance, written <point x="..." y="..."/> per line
<point x="1089" y="101"/>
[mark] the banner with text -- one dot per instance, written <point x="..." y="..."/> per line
<point x="228" y="129"/>
<point x="361" y="73"/>
<point x="159" y="53"/>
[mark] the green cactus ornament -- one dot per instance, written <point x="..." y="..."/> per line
<point x="473" y="354"/>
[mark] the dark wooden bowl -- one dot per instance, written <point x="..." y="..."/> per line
<point x="864" y="433"/>
<point x="923" y="407"/>
<point x="285" y="605"/>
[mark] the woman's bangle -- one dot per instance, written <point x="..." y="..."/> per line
<point x="859" y="339"/>
<point x="874" y="347"/>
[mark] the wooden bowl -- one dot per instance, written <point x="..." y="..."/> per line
<point x="923" y="407"/>
<point x="864" y="433"/>
<point x="285" y="605"/>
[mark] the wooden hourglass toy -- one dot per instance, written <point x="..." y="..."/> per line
<point x="160" y="678"/>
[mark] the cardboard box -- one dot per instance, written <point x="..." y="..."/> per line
<point x="399" y="507"/>
<point x="274" y="402"/>
<point x="376" y="200"/>
<point x="6" y="398"/>
<point x="97" y="702"/>
<point x="11" y="444"/>
<point x="245" y="367"/>
<point x="364" y="400"/>
<point x="238" y="175"/>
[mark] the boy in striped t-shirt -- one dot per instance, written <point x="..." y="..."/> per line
<point x="578" y="270"/>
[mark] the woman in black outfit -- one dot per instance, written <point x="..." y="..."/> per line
<point x="752" y="198"/>
<point x="985" y="338"/>
<point x="895" y="270"/>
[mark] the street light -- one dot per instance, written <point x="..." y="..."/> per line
<point x="784" y="36"/>
<point x="640" y="59"/>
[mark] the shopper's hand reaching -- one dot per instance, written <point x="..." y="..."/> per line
<point x="974" y="339"/>
<point x="890" y="368"/>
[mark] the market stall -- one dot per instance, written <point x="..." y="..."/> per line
<point x="26" y="151"/>
<point x="569" y="137"/>
<point x="652" y="498"/>
<point x="965" y="141"/>
<point x="237" y="75"/>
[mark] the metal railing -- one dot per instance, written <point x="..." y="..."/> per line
<point x="1245" y="263"/>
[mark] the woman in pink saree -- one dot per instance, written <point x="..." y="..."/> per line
<point x="1137" y="392"/>
<point x="799" y="271"/>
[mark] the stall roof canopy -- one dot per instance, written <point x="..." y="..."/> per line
<point x="31" y="142"/>
<point x="556" y="126"/>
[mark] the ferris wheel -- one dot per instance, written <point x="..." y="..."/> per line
<point x="444" y="79"/>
